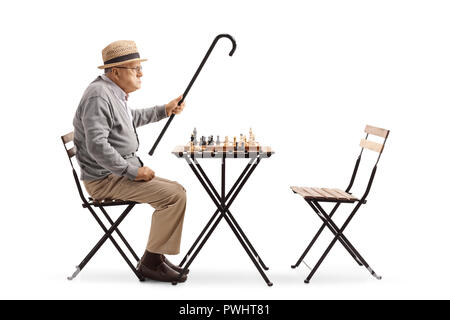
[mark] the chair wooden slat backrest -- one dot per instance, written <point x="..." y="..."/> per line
<point x="371" y="145"/>
<point x="72" y="151"/>
<point x="67" y="138"/>
<point x="383" y="133"/>
<point x="374" y="146"/>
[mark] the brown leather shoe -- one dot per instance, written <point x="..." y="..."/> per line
<point x="161" y="273"/>
<point x="174" y="267"/>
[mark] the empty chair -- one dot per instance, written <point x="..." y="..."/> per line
<point x="314" y="196"/>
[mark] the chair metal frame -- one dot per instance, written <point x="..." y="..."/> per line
<point x="101" y="204"/>
<point x="314" y="199"/>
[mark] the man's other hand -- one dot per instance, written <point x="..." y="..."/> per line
<point x="145" y="174"/>
<point x="173" y="107"/>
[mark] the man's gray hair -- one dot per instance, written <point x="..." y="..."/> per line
<point x="108" y="70"/>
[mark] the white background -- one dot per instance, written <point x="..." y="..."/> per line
<point x="307" y="76"/>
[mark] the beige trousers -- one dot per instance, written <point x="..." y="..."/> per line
<point x="167" y="197"/>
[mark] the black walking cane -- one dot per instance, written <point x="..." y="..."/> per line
<point x="192" y="82"/>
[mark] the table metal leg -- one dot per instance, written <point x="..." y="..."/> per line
<point x="211" y="186"/>
<point x="255" y="262"/>
<point x="247" y="242"/>
<point x="191" y="259"/>
<point x="186" y="257"/>
<point x="188" y="254"/>
<point x="223" y="206"/>
<point x="236" y="233"/>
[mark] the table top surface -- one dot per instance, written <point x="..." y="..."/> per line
<point x="262" y="152"/>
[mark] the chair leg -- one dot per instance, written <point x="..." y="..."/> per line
<point x="108" y="234"/>
<point x="321" y="260"/>
<point x="120" y="234"/>
<point x="76" y="272"/>
<point x="343" y="241"/>
<point x="300" y="260"/>
<point x="334" y="229"/>
<point x="341" y="235"/>
<point x="338" y="235"/>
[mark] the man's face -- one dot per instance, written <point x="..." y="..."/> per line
<point x="128" y="80"/>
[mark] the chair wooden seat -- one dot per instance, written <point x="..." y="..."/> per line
<point x="108" y="202"/>
<point x="324" y="194"/>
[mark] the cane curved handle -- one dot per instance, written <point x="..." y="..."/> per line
<point x="211" y="48"/>
<point x="213" y="44"/>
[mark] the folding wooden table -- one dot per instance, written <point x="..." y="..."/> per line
<point x="223" y="200"/>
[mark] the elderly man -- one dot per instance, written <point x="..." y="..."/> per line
<point x="107" y="142"/>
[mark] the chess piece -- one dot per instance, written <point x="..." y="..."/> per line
<point x="217" y="141"/>
<point x="238" y="146"/>
<point x="192" y="146"/>
<point x="194" y="133"/>
<point x="203" y="143"/>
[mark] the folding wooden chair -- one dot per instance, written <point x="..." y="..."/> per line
<point x="315" y="195"/>
<point x="101" y="204"/>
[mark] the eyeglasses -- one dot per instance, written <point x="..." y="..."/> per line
<point x="136" y="69"/>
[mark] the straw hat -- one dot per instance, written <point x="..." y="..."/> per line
<point x="120" y="52"/>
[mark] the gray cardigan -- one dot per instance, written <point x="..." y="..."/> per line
<point x="103" y="135"/>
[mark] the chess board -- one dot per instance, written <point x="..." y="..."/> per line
<point x="210" y="148"/>
<point x="221" y="151"/>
